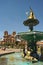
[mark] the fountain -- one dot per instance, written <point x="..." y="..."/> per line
<point x="31" y="36"/>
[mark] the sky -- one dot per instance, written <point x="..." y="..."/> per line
<point x="13" y="13"/>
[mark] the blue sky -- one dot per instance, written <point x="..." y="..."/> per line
<point x="13" y="13"/>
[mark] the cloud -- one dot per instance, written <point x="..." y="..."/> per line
<point x="27" y="13"/>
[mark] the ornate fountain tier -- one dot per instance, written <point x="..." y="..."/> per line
<point x="31" y="21"/>
<point x="32" y="35"/>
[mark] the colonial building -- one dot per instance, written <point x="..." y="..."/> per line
<point x="13" y="40"/>
<point x="7" y="38"/>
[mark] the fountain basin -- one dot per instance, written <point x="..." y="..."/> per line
<point x="32" y="35"/>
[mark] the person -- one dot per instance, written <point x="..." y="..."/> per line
<point x="24" y="52"/>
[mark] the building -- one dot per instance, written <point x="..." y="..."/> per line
<point x="12" y="40"/>
<point x="9" y="38"/>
